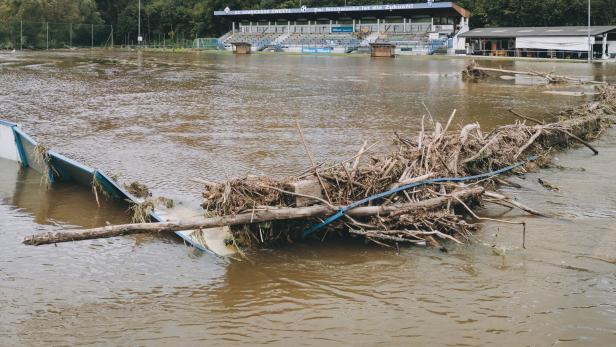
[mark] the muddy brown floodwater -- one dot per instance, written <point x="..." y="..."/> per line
<point x="165" y="118"/>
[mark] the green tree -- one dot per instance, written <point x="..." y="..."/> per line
<point x="539" y="13"/>
<point x="59" y="11"/>
<point x="23" y="23"/>
<point x="189" y="18"/>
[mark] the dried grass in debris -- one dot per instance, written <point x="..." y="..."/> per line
<point x="137" y="189"/>
<point x="441" y="152"/>
<point x="43" y="160"/>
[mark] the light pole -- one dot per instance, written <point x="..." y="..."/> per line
<point x="139" y="38"/>
<point x="589" y="43"/>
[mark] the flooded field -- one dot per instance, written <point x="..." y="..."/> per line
<point x="163" y="119"/>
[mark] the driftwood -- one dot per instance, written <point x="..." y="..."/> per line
<point x="564" y="131"/>
<point x="507" y="200"/>
<point x="475" y="72"/>
<point x="246" y="218"/>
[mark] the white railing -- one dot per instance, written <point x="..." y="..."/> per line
<point x="444" y="28"/>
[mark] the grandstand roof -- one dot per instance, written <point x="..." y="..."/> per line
<point x="435" y="8"/>
<point x="537" y="31"/>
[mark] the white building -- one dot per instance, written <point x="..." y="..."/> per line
<point x="570" y="42"/>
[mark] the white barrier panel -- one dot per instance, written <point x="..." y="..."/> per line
<point x="561" y="43"/>
<point x="9" y="173"/>
<point x="8" y="148"/>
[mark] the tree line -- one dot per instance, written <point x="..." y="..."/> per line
<point x="194" y="18"/>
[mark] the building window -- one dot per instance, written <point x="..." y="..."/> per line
<point x="444" y="21"/>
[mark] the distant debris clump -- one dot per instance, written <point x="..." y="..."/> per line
<point x="137" y="189"/>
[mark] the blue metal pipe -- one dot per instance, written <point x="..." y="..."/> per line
<point x="343" y="210"/>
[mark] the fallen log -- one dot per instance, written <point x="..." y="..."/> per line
<point x="246" y="218"/>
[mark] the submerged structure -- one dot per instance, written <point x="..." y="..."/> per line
<point x="382" y="49"/>
<point x="415" y="28"/>
<point x="241" y="47"/>
<point x="16" y="145"/>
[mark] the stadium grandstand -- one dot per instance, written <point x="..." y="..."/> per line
<point x="416" y="28"/>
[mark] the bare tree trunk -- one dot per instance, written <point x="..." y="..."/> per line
<point x="244" y="218"/>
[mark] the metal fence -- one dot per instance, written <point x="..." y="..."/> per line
<point x="47" y="35"/>
<point x="168" y="43"/>
<point x="208" y="43"/>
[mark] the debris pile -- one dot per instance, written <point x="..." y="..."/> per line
<point x="422" y="192"/>
<point x="437" y="153"/>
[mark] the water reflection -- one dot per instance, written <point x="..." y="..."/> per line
<point x="66" y="204"/>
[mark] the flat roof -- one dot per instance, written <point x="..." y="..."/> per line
<point x="537" y="31"/>
<point x="348" y="11"/>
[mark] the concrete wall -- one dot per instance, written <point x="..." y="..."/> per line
<point x="611" y="47"/>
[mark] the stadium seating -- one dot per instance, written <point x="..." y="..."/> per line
<point x="257" y="40"/>
<point x="261" y="40"/>
<point x="404" y="38"/>
<point x="342" y="40"/>
<point x="417" y="42"/>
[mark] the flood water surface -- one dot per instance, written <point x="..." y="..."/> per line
<point x="163" y="119"/>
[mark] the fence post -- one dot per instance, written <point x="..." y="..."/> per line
<point x="70" y="35"/>
<point x="47" y="35"/>
<point x="112" y="36"/>
<point x="21" y="35"/>
<point x="92" y="45"/>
